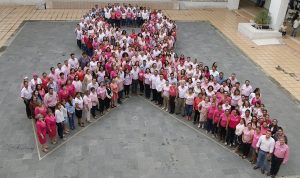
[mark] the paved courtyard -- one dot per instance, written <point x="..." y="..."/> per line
<point x="137" y="139"/>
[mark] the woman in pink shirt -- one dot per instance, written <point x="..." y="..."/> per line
<point x="203" y="105"/>
<point x="94" y="99"/>
<point x="223" y="124"/>
<point x="216" y="120"/>
<point x="63" y="93"/>
<point x="41" y="90"/>
<point x="70" y="88"/>
<point x="280" y="155"/>
<point x="101" y="93"/>
<point x="210" y="114"/>
<point x="256" y="136"/>
<point x="115" y="90"/>
<point x="41" y="131"/>
<point x="51" y="126"/>
<point x="247" y="137"/>
<point x="233" y="122"/>
<point x="147" y="76"/>
<point x="87" y="106"/>
<point x="40" y="109"/>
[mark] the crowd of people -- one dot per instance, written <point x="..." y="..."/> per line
<point x="116" y="64"/>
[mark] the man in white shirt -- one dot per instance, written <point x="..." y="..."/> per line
<point x="135" y="78"/>
<point x="26" y="94"/>
<point x="246" y="88"/>
<point x="159" y="87"/>
<point x="93" y="84"/>
<point x="295" y="27"/>
<point x="73" y="61"/>
<point x="182" y="89"/>
<point x="264" y="148"/>
<point x="153" y="79"/>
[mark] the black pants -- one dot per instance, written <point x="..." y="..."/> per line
<point x="159" y="98"/>
<point x="126" y="89"/>
<point x="107" y="102"/>
<point x="101" y="105"/>
<point x="147" y="91"/>
<point x="79" y="43"/>
<point x="118" y="23"/>
<point x="209" y="125"/>
<point x="141" y="84"/>
<point x="172" y="104"/>
<point x="28" y="111"/>
<point x="120" y="96"/>
<point x="60" y="129"/>
<point x="222" y="132"/>
<point x="154" y="95"/>
<point x="275" y="165"/>
<point x="245" y="147"/>
<point x="196" y="116"/>
<point x="215" y="128"/>
<point x="93" y="111"/>
<point x="134" y="86"/>
<point x="230" y="135"/>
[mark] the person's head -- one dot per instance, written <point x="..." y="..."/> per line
<point x="49" y="111"/>
<point x="274" y="122"/>
<point x="190" y="91"/>
<point x="242" y="122"/>
<point x="268" y="133"/>
<point x="280" y="131"/>
<point x="227" y="112"/>
<point x="257" y="130"/>
<point x="40" y="117"/>
<point x="281" y="140"/>
<point x="50" y="91"/>
<point x="247" y="113"/>
<point x="78" y="94"/>
<point x="249" y="126"/>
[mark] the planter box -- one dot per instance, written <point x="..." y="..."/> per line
<point x="248" y="30"/>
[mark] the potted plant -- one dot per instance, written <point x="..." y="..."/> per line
<point x="262" y="20"/>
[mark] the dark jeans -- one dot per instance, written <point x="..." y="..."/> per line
<point x="107" y="102"/>
<point x="230" y="135"/>
<point x="60" y="129"/>
<point x="245" y="147"/>
<point x="222" y="132"/>
<point x="209" y="125"/>
<point x="172" y="104"/>
<point x="93" y="111"/>
<point x="79" y="43"/>
<point x="126" y="89"/>
<point x="159" y="98"/>
<point x="196" y="116"/>
<point x="120" y="96"/>
<point x="28" y="111"/>
<point x="154" y="95"/>
<point x="134" y="86"/>
<point x="71" y="121"/>
<point x="188" y="110"/>
<point x="275" y="165"/>
<point x="141" y="84"/>
<point x="215" y="128"/>
<point x="101" y="104"/>
<point x="147" y="91"/>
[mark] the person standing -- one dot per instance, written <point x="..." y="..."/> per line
<point x="51" y="126"/>
<point x="78" y="109"/>
<point x="50" y="99"/>
<point x="281" y="155"/>
<point x="166" y="95"/>
<point x="87" y="106"/>
<point x="247" y="138"/>
<point x="182" y="89"/>
<point x="59" y="116"/>
<point x="26" y="94"/>
<point x="296" y="25"/>
<point x="41" y="130"/>
<point x="189" y="102"/>
<point x="264" y="148"/>
<point x="172" y="97"/>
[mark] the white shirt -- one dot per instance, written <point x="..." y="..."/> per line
<point x="153" y="79"/>
<point x="73" y="63"/>
<point x="266" y="145"/>
<point x="79" y="102"/>
<point x="90" y="85"/>
<point x="59" y="116"/>
<point x="135" y="74"/>
<point x="239" y="129"/>
<point x="296" y="24"/>
<point x="26" y="93"/>
<point x="182" y="91"/>
<point x="159" y="84"/>
<point x="246" y="90"/>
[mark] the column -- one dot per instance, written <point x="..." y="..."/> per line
<point x="233" y="4"/>
<point x="277" y="12"/>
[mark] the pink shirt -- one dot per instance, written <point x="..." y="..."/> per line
<point x="247" y="135"/>
<point x="217" y="115"/>
<point x="234" y="121"/>
<point x="223" y="120"/>
<point x="50" y="100"/>
<point x="101" y="92"/>
<point x="87" y="102"/>
<point x="281" y="151"/>
<point x="94" y="98"/>
<point x="255" y="139"/>
<point x="210" y="112"/>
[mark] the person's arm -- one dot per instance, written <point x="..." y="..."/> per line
<point x="258" y="143"/>
<point x="286" y="156"/>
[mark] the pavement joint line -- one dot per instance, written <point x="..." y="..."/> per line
<point x="36" y="140"/>
<point x="198" y="131"/>
<point x="69" y="138"/>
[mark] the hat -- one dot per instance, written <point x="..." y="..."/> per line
<point x="26" y="78"/>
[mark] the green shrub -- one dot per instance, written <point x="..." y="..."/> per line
<point x="263" y="18"/>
